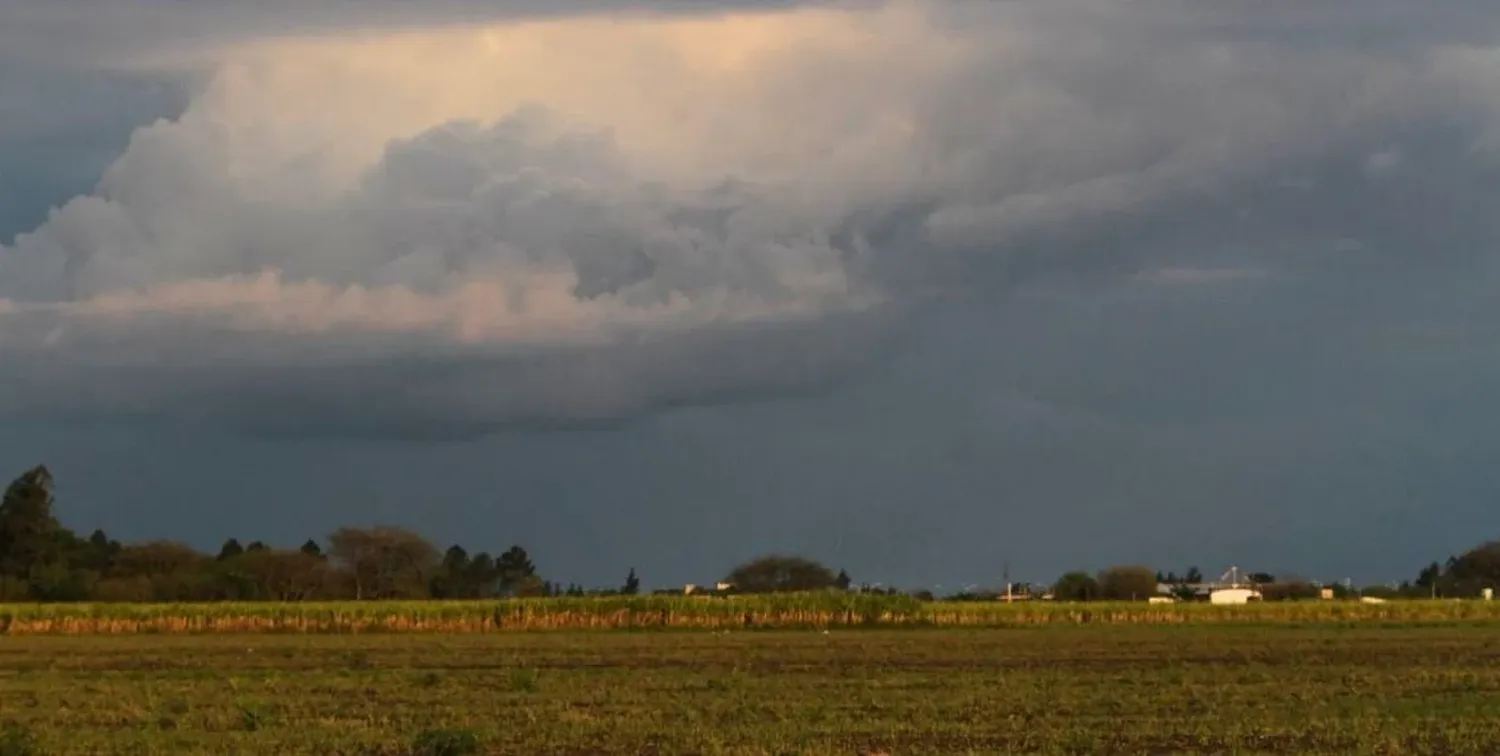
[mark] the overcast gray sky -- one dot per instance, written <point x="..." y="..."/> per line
<point x="916" y="288"/>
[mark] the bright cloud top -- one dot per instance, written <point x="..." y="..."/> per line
<point x="586" y="217"/>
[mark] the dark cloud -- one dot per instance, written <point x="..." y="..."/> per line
<point x="307" y="204"/>
<point x="1090" y="282"/>
<point x="445" y="395"/>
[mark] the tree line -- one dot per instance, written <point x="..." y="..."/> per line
<point x="1461" y="576"/>
<point x="41" y="560"/>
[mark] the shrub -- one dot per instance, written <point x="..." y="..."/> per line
<point x="1288" y="590"/>
<point x="523" y="681"/>
<point x="445" y="743"/>
<point x="16" y="740"/>
<point x="1076" y="586"/>
<point x="253" y="719"/>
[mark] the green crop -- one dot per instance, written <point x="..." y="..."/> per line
<point x="785" y="611"/>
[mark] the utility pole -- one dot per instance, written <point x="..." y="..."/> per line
<point x="1006" y="578"/>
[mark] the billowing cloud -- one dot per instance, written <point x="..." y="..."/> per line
<point x="464" y="225"/>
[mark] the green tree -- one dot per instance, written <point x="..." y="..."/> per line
<point x="1128" y="582"/>
<point x="531" y="586"/>
<point x="453" y="578"/>
<point x="28" y="530"/>
<point x="58" y="582"/>
<point x="843" y="581"/>
<point x="1473" y="570"/>
<point x="483" y="576"/>
<point x="1288" y="589"/>
<point x="1430" y="575"/>
<point x="514" y="568"/>
<point x="777" y="574"/>
<point x="101" y="553"/>
<point x="311" y="548"/>
<point x="230" y="549"/>
<point x="155" y="558"/>
<point x="168" y="570"/>
<point x="632" y="584"/>
<point x="1076" y="586"/>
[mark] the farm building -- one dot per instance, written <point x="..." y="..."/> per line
<point x="1234" y="596"/>
<point x="1231" y="588"/>
<point x="1184" y="591"/>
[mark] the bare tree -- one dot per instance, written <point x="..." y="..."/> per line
<point x="286" y="575"/>
<point x="385" y="562"/>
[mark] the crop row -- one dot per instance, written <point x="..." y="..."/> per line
<point x="691" y="613"/>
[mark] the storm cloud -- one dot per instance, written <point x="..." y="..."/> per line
<point x="898" y="284"/>
<point x="573" y="219"/>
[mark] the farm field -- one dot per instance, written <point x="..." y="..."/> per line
<point x="1068" y="689"/>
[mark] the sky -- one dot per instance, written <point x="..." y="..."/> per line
<point x="927" y="290"/>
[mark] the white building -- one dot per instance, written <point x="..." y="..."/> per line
<point x="1234" y="596"/>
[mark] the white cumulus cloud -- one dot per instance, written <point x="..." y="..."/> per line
<point x="581" y="218"/>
